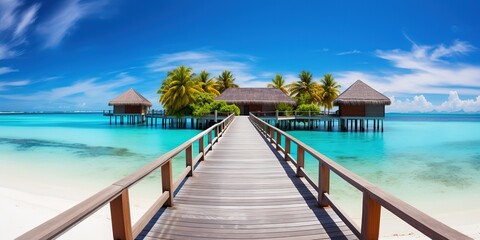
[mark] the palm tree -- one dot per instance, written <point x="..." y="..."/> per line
<point x="330" y="90"/>
<point x="178" y="89"/>
<point x="278" y="82"/>
<point x="225" y="81"/>
<point x="208" y="85"/>
<point x="306" y="86"/>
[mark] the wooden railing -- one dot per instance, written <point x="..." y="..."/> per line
<point x="294" y="113"/>
<point x="373" y="197"/>
<point x="117" y="193"/>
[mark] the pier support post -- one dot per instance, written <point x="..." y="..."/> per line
<point x="120" y="214"/>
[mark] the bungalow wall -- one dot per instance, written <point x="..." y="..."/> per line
<point x="129" y="109"/>
<point x="368" y="110"/>
<point x="375" y="110"/>
<point x="247" y="108"/>
<point x="352" y="110"/>
<point x="119" y="109"/>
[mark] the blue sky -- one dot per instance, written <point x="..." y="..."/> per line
<point x="78" y="55"/>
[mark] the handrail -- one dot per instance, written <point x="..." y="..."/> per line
<point x="373" y="197"/>
<point x="117" y="193"/>
<point x="293" y="113"/>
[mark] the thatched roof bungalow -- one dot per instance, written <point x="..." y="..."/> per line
<point x="255" y="99"/>
<point x="130" y="102"/>
<point x="361" y="100"/>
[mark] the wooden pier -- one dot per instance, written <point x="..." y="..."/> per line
<point x="244" y="183"/>
<point x="160" y="118"/>
<point x="294" y="120"/>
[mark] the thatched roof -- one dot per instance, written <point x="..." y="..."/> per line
<point x="130" y="97"/>
<point x="255" y="96"/>
<point x="361" y="93"/>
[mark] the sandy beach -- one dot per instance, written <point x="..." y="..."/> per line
<point x="22" y="211"/>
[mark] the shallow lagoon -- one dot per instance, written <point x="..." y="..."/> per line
<point x="429" y="161"/>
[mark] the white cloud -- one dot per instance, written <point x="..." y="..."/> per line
<point x="7" y="13"/>
<point x="6" y="52"/>
<point x="4" y="85"/>
<point x="14" y="22"/>
<point x="422" y="70"/>
<point x="4" y="70"/>
<point x="215" y="62"/>
<point x="349" y="52"/>
<point x="417" y="104"/>
<point x="59" y="24"/>
<point x="88" y="93"/>
<point x="27" y="19"/>
<point x="421" y="104"/>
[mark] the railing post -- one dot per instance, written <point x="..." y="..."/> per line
<point x="323" y="183"/>
<point x="210" y="137"/>
<point x="276" y="114"/>
<point x="189" y="159"/>
<point x="279" y="140"/>
<point x="287" y="149"/>
<point x="272" y="133"/>
<point x="167" y="182"/>
<point x="120" y="213"/>
<point x="216" y="116"/>
<point x="201" y="147"/>
<point x="300" y="160"/>
<point x="370" y="217"/>
<point x="216" y="132"/>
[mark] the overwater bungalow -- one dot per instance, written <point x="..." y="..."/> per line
<point x="359" y="104"/>
<point x="255" y="99"/>
<point x="130" y="106"/>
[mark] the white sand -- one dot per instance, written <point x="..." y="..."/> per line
<point x="21" y="211"/>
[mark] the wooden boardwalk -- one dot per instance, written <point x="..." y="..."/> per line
<point x="245" y="190"/>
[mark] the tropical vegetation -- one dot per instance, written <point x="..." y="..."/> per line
<point x="308" y="109"/>
<point x="330" y="90"/>
<point x="178" y="90"/>
<point x="226" y="81"/>
<point x="306" y="88"/>
<point x="184" y="93"/>
<point x="278" y="82"/>
<point x="206" y="83"/>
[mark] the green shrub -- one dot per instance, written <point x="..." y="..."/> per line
<point x="284" y="109"/>
<point x="231" y="108"/>
<point x="304" y="109"/>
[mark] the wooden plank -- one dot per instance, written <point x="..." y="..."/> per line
<point x="323" y="183"/>
<point x="120" y="213"/>
<point x="370" y="217"/>
<point x="189" y="160"/>
<point x="245" y="191"/>
<point x="145" y="219"/>
<point x="167" y="182"/>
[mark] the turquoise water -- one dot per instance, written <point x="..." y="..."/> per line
<point x="54" y="151"/>
<point x="430" y="161"/>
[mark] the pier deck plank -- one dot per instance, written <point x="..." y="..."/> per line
<point x="244" y="190"/>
